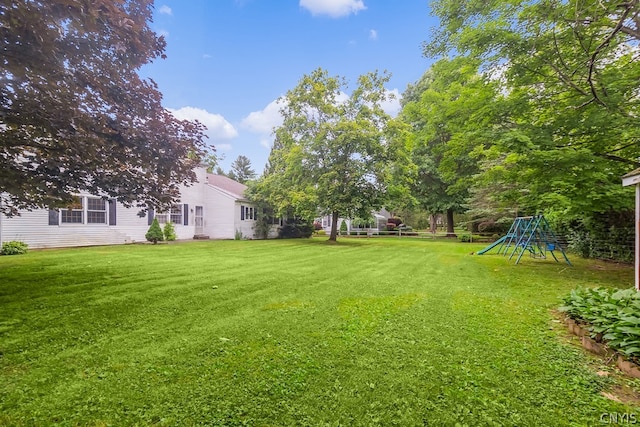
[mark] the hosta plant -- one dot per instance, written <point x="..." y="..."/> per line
<point x="610" y="315"/>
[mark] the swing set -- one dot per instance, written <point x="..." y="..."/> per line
<point x="531" y="234"/>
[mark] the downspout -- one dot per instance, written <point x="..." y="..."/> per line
<point x="1" y="215"/>
<point x="637" y="248"/>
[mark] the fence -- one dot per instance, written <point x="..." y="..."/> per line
<point x="614" y="249"/>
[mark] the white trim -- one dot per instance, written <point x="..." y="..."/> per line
<point x="637" y="256"/>
<point x="630" y="180"/>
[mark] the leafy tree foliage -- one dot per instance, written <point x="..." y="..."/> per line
<point x="567" y="128"/>
<point x="448" y="110"/>
<point x="212" y="161"/>
<point x="74" y="113"/>
<point x="241" y="170"/>
<point x="333" y="154"/>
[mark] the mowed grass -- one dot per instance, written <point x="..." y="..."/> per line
<point x="363" y="332"/>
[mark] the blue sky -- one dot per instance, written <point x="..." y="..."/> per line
<point x="229" y="60"/>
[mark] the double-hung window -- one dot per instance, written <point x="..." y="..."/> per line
<point x="74" y="213"/>
<point x="174" y="215"/>
<point x="96" y="210"/>
<point x="85" y="210"/>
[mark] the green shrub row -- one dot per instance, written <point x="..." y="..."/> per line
<point x="14" y="247"/>
<point x="157" y="234"/>
<point x="611" y="316"/>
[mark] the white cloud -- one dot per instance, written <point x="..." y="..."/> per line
<point x="223" y="147"/>
<point x="217" y="126"/>
<point x="206" y="56"/>
<point x="333" y="8"/>
<point x="266" y="142"/>
<point x="165" y="10"/>
<point x="265" y="120"/>
<point x="373" y="35"/>
<point x="392" y="105"/>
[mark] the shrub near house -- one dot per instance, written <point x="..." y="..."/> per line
<point x="14" y="248"/>
<point x="154" y="234"/>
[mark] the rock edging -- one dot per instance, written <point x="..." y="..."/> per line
<point x="627" y="367"/>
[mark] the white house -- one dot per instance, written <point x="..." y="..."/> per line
<point x="214" y="206"/>
<point x="379" y="221"/>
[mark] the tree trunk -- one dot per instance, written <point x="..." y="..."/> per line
<point x="450" y="231"/>
<point x="334" y="227"/>
<point x="433" y="223"/>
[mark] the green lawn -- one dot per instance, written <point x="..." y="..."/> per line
<point x="363" y="332"/>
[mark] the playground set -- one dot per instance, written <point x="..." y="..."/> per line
<point x="531" y="234"/>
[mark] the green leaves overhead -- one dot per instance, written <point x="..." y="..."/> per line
<point x="550" y="121"/>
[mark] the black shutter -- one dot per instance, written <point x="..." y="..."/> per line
<point x="54" y="217"/>
<point x="241" y="213"/>
<point x="185" y="209"/>
<point x="149" y="215"/>
<point x="112" y="211"/>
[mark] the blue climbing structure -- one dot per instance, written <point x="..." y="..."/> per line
<point x="528" y="234"/>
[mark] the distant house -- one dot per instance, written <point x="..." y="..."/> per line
<point x="378" y="222"/>
<point x="213" y="207"/>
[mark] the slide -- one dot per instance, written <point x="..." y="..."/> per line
<point x="493" y="245"/>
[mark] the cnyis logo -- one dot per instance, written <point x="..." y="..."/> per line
<point x="618" y="418"/>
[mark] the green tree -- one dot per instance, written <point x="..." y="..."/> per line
<point x="333" y="153"/>
<point x="570" y="72"/>
<point x="212" y="161"/>
<point x="154" y="234"/>
<point x="169" y="232"/>
<point x="241" y="170"/>
<point x="448" y="109"/>
<point x="343" y="227"/>
<point x="74" y="113"/>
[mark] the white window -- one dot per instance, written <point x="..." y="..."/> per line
<point x="174" y="215"/>
<point x="74" y="213"/>
<point x="96" y="210"/>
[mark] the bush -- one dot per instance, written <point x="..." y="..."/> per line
<point x="154" y="234"/>
<point x="343" y="228"/>
<point x="464" y="237"/>
<point x="169" y="232"/>
<point x="611" y="316"/>
<point x="493" y="227"/>
<point x="607" y="235"/>
<point x="317" y="226"/>
<point x="321" y="233"/>
<point x="295" y="229"/>
<point x="14" y="247"/>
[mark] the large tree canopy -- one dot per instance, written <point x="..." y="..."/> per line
<point x="577" y="58"/>
<point x="448" y="110"/>
<point x="569" y="74"/>
<point x="334" y="153"/>
<point x="74" y="113"/>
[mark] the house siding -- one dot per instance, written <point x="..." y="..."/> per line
<point x="32" y="227"/>
<point x="221" y="220"/>
<point x="223" y="215"/>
